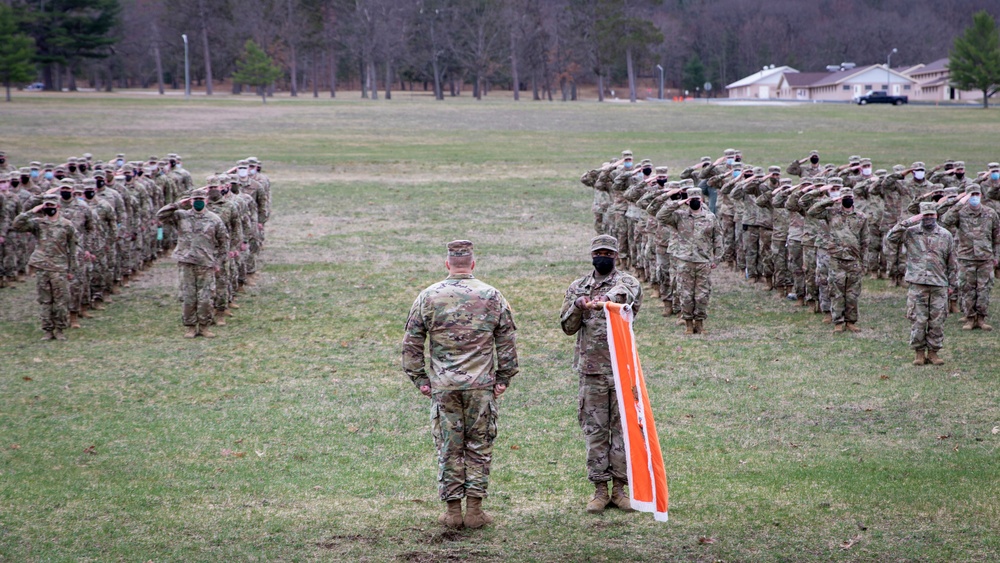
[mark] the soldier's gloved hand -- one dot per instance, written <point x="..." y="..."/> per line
<point x="425" y="390"/>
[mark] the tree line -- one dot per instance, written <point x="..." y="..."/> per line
<point x="542" y="49"/>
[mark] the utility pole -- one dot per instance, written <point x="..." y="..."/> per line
<point x="187" y="69"/>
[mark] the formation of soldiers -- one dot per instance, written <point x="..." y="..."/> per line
<point x="811" y="239"/>
<point x="87" y="228"/>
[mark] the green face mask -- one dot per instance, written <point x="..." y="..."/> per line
<point x="198" y="205"/>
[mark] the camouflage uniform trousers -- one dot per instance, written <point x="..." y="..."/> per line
<point x="619" y="230"/>
<point x="739" y="241"/>
<point x="599" y="227"/>
<point x="809" y="272"/>
<point x="602" y="429"/>
<point x="675" y="294"/>
<point x="823" y="278"/>
<point x="8" y="257"/>
<point x="100" y="275"/>
<point x="758" y="249"/>
<point x="876" y="258"/>
<point x="222" y="287"/>
<point x="197" y="293"/>
<point x="638" y="238"/>
<point x="464" y="425"/>
<point x="694" y="283"/>
<point x="779" y="262"/>
<point x="251" y="263"/>
<point x="78" y="283"/>
<point x="53" y="299"/>
<point x="797" y="267"/>
<point x="25" y="245"/>
<point x="926" y="308"/>
<point x="845" y="289"/>
<point x="663" y="274"/>
<point x="728" y="238"/>
<point x="976" y="279"/>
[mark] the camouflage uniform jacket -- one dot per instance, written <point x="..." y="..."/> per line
<point x="848" y="229"/>
<point x="698" y="234"/>
<point x="9" y="209"/>
<point x="795" y="169"/>
<point x="463" y="319"/>
<point x="57" y="241"/>
<point x="978" y="231"/>
<point x="591" y="355"/>
<point x="230" y="215"/>
<point x="930" y="255"/>
<point x="779" y="215"/>
<point x="202" y="239"/>
<point x="107" y="223"/>
<point x="818" y="228"/>
<point x="794" y="222"/>
<point x="946" y="178"/>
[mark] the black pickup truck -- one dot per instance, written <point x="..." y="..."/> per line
<point x="880" y="97"/>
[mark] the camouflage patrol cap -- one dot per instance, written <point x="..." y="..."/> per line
<point x="960" y="164"/>
<point x="854" y="159"/>
<point x="951" y="191"/>
<point x="706" y="159"/>
<point x="785" y="182"/>
<point x="729" y="152"/>
<point x="774" y="170"/>
<point x="35" y="165"/>
<point x="993" y="166"/>
<point x="24" y="170"/>
<point x="604" y="242"/>
<point x="918" y="165"/>
<point x="78" y="188"/>
<point x="89" y="182"/>
<point x="673" y="185"/>
<point x="66" y="184"/>
<point x="846" y="191"/>
<point x="626" y="153"/>
<point x="973" y="189"/>
<point x="881" y="172"/>
<point x="807" y="182"/>
<point x="198" y="193"/>
<point x="50" y="198"/>
<point x="128" y="168"/>
<point x="48" y="166"/>
<point x="71" y="160"/>
<point x="253" y="160"/>
<point x="460" y="248"/>
<point x="644" y="162"/>
<point x="662" y="170"/>
<point x="898" y="168"/>
<point x="835" y="181"/>
<point x="60" y="168"/>
<point x="120" y="155"/>
<point x="867" y="161"/>
<point x="928" y="208"/>
<point x="813" y="153"/>
<point x="693" y="193"/>
<point x="213" y="181"/>
<point x="687" y="183"/>
<point x="737" y="166"/>
<point x="88" y="157"/>
<point x="758" y="171"/>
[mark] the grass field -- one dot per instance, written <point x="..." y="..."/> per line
<point x="294" y="436"/>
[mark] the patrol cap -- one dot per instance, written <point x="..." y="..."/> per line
<point x="758" y="171"/>
<point x="881" y="172"/>
<point x="928" y="208"/>
<point x="71" y="160"/>
<point x="951" y="191"/>
<point x="50" y="198"/>
<point x="78" y="189"/>
<point x="645" y="161"/>
<point x="973" y="189"/>
<point x="785" y="182"/>
<point x="198" y="193"/>
<point x="854" y="159"/>
<point x="960" y="164"/>
<point x="24" y="170"/>
<point x="687" y="183"/>
<point x="774" y="170"/>
<point x="253" y="160"/>
<point x="89" y="183"/>
<point x="846" y="191"/>
<point x="867" y="161"/>
<point x="460" y="248"/>
<point x="813" y="153"/>
<point x="88" y="157"/>
<point x="213" y="181"/>
<point x="729" y="152"/>
<point x="48" y="166"/>
<point x="707" y="159"/>
<point x="128" y="168"/>
<point x="35" y="165"/>
<point x="835" y="181"/>
<point x="66" y="184"/>
<point x="672" y="185"/>
<point x="694" y="193"/>
<point x="662" y="170"/>
<point x="603" y="242"/>
<point x="120" y="155"/>
<point x="918" y="165"/>
<point x="737" y="165"/>
<point x="807" y="182"/>
<point x="626" y="153"/>
<point x="898" y="168"/>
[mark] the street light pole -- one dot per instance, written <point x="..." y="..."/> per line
<point x="187" y="69"/>
<point x="888" y="76"/>
<point x="661" y="80"/>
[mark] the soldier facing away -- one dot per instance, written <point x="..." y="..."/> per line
<point x="464" y="321"/>
<point x="583" y="314"/>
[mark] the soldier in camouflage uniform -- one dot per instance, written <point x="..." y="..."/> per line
<point x="54" y="260"/>
<point x="978" y="235"/>
<point x="932" y="272"/>
<point x="583" y="314"/>
<point x="814" y="169"/>
<point x="697" y="252"/>
<point x="464" y="321"/>
<point x="663" y="239"/>
<point x="202" y="247"/>
<point x="230" y="215"/>
<point x="102" y="278"/>
<point x="849" y="244"/>
<point x="602" y="199"/>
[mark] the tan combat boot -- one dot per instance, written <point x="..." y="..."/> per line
<point x="698" y="326"/>
<point x="58" y="334"/>
<point x="600" y="500"/>
<point x="49" y="335"/>
<point x="827" y="318"/>
<point x="852" y="327"/>
<point x="953" y="307"/>
<point x="619" y="498"/>
<point x="74" y="320"/>
<point x="191" y="332"/>
<point x="933" y="358"/>
<point x="970" y="323"/>
<point x="800" y="302"/>
<point x="981" y="323"/>
<point x="474" y="515"/>
<point x="220" y="318"/>
<point x="84" y="314"/>
<point x="97" y="306"/>
<point x="453" y="517"/>
<point x="680" y="322"/>
<point x="837" y="328"/>
<point x="667" y="310"/>
<point x="768" y="284"/>
<point x="919" y="359"/>
<point x="203" y="331"/>
<point x="689" y="324"/>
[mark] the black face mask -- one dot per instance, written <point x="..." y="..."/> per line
<point x="847" y="202"/>
<point x="695" y="204"/>
<point x="99" y="181"/>
<point x="661" y="181"/>
<point x="60" y="176"/>
<point x="128" y="178"/>
<point x="647" y="171"/>
<point x="604" y="264"/>
<point x="676" y="197"/>
<point x="173" y="163"/>
<point x="89" y="194"/>
<point x="50" y="211"/>
<point x="738" y="159"/>
<point x="25" y="179"/>
<point x="72" y="168"/>
<point x="960" y="175"/>
<point x="15" y="183"/>
<point x="814" y="159"/>
<point x="234" y="188"/>
<point x="66" y="195"/>
<point x="936" y="197"/>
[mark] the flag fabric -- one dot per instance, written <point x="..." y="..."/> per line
<point x="647" y="478"/>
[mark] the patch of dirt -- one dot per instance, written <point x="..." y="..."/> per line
<point x="335" y="542"/>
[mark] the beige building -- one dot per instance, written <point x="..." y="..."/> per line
<point x="844" y="85"/>
<point x="760" y="85"/>
<point x="934" y="83"/>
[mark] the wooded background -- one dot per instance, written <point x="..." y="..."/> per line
<point x="447" y="47"/>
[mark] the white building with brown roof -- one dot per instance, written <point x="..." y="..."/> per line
<point x="844" y="85"/>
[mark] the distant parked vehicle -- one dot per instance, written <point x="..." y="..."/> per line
<point x="34" y="87"/>
<point x="880" y="97"/>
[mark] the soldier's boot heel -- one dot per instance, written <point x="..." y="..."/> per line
<point x="84" y="314"/>
<point x="838" y="328"/>
<point x="220" y="318"/>
<point x="474" y="515"/>
<point x="49" y="335"/>
<point x="919" y="358"/>
<point x="600" y="500"/>
<point x="619" y="498"/>
<point x="191" y="332"/>
<point x="74" y="320"/>
<point x="970" y="323"/>
<point x="933" y="358"/>
<point x="851" y="327"/>
<point x="452" y="518"/>
<point x="689" y="326"/>
<point x="58" y="334"/>
<point x="204" y="332"/>
<point x="953" y="307"/>
<point x="699" y="327"/>
<point x="981" y="323"/>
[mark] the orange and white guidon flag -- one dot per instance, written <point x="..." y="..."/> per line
<point x="647" y="479"/>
